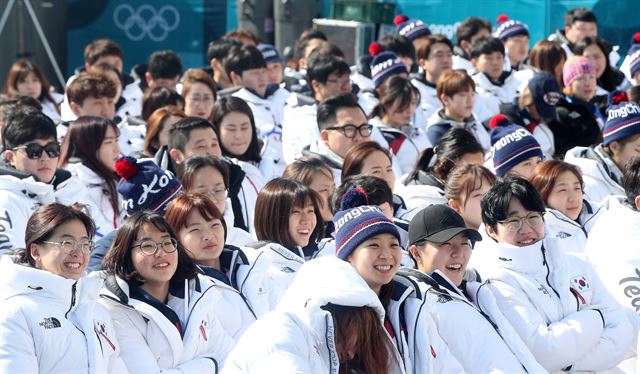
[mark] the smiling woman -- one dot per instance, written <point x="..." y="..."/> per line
<point x="45" y="290"/>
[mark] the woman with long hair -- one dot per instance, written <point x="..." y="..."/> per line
<point x="50" y="320"/>
<point x="26" y="79"/>
<point x="162" y="304"/>
<point x="236" y="128"/>
<point x="464" y="189"/>
<point x="89" y="152"/>
<point x="608" y="77"/>
<point x="158" y="126"/>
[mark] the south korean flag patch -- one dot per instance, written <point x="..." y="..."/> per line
<point x="581" y="283"/>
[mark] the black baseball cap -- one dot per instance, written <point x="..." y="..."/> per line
<point x="438" y="224"/>
<point x="546" y="93"/>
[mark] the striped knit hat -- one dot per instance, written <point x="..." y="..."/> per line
<point x="411" y="28"/>
<point x="509" y="28"/>
<point x="576" y="67"/>
<point x="511" y="144"/>
<point x="384" y="65"/>
<point x="623" y="121"/>
<point x="357" y="222"/>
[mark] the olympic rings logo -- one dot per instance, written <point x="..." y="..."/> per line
<point x="146" y="21"/>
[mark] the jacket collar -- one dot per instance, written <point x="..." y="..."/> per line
<point x="528" y="259"/>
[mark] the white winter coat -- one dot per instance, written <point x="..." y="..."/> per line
<point x="474" y="127"/>
<point x="602" y="178"/>
<point x="300" y="333"/>
<point x="492" y="95"/>
<point x="558" y="306"/>
<point x="405" y="143"/>
<point x="572" y="235"/>
<point x="460" y="321"/>
<point x="152" y="344"/>
<point x="19" y="198"/>
<point x="268" y="112"/>
<point x="102" y="211"/>
<point x="51" y="324"/>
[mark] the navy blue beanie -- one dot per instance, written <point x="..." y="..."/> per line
<point x="384" y="65"/>
<point x="507" y="28"/>
<point x="357" y="222"/>
<point x="623" y="121"/>
<point x="411" y="28"/>
<point x="512" y="144"/>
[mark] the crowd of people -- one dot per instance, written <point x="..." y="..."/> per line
<point x="438" y="207"/>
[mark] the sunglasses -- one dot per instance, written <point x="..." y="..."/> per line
<point x="34" y="150"/>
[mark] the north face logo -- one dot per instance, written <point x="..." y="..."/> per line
<point x="50" y="323"/>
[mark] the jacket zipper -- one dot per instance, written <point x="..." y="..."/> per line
<point x="544" y="262"/>
<point x="73" y="299"/>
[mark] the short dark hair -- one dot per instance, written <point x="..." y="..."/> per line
<point x="101" y="48"/>
<point x="470" y="27"/>
<point x="579" y="14"/>
<point x="394" y="88"/>
<point x="27" y="125"/>
<point x="158" y="97"/>
<point x="631" y="180"/>
<point x="326" y="48"/>
<point x="245" y="57"/>
<point x="326" y="114"/>
<point x="219" y="49"/>
<point x="164" y="65"/>
<point x="188" y="168"/>
<point x="43" y="223"/>
<point x="304" y="39"/>
<point x="495" y="204"/>
<point x="239" y="33"/>
<point x="221" y="109"/>
<point x="423" y="50"/>
<point x="181" y="130"/>
<point x="486" y="46"/>
<point x="117" y="261"/>
<point x="181" y="207"/>
<point x="274" y="204"/>
<point x="320" y="67"/>
<point x="398" y="44"/>
<point x="634" y="93"/>
<point x="90" y="85"/>
<point x="377" y="190"/>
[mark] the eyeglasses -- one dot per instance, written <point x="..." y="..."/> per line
<point x="515" y="224"/>
<point x="218" y="195"/>
<point x="34" y="150"/>
<point x="70" y="246"/>
<point x="150" y="248"/>
<point x="350" y="130"/>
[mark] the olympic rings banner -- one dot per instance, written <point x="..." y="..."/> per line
<point x="143" y="26"/>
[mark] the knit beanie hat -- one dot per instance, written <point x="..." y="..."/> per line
<point x="511" y="144"/>
<point x="269" y="53"/>
<point x="576" y="67"/>
<point x="634" y="55"/>
<point x="144" y="185"/>
<point x="507" y="28"/>
<point x="357" y="222"/>
<point x="384" y="65"/>
<point x="623" y="121"/>
<point x="411" y="28"/>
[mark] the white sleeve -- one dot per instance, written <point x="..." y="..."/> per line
<point x="432" y="352"/>
<point x="17" y="348"/>
<point x="296" y="134"/>
<point x="555" y="345"/>
<point x="13" y="222"/>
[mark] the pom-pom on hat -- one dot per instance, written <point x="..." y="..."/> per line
<point x="144" y="185"/>
<point x="512" y="144"/>
<point x="384" y="65"/>
<point x="507" y="28"/>
<point x="375" y="49"/>
<point x="269" y="53"/>
<point x="623" y="121"/>
<point x="411" y="28"/>
<point x="357" y="223"/>
<point x="576" y="67"/>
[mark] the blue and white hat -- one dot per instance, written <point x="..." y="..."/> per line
<point x="507" y="28"/>
<point x="633" y="55"/>
<point x="511" y="144"/>
<point x="144" y="185"/>
<point x="357" y="222"/>
<point x="411" y="28"/>
<point x="623" y="121"/>
<point x="269" y="53"/>
<point x="384" y="65"/>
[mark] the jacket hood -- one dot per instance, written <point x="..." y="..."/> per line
<point x="38" y="191"/>
<point x="438" y="118"/>
<point x="329" y="280"/>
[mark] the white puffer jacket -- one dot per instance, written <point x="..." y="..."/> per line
<point x="299" y="336"/>
<point x="405" y="143"/>
<point x="102" y="211"/>
<point x="19" y="198"/>
<point x="491" y="95"/>
<point x="602" y="178"/>
<point x="460" y="320"/>
<point x="558" y="306"/>
<point x="51" y="324"/>
<point x="152" y="344"/>
<point x="572" y="235"/>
